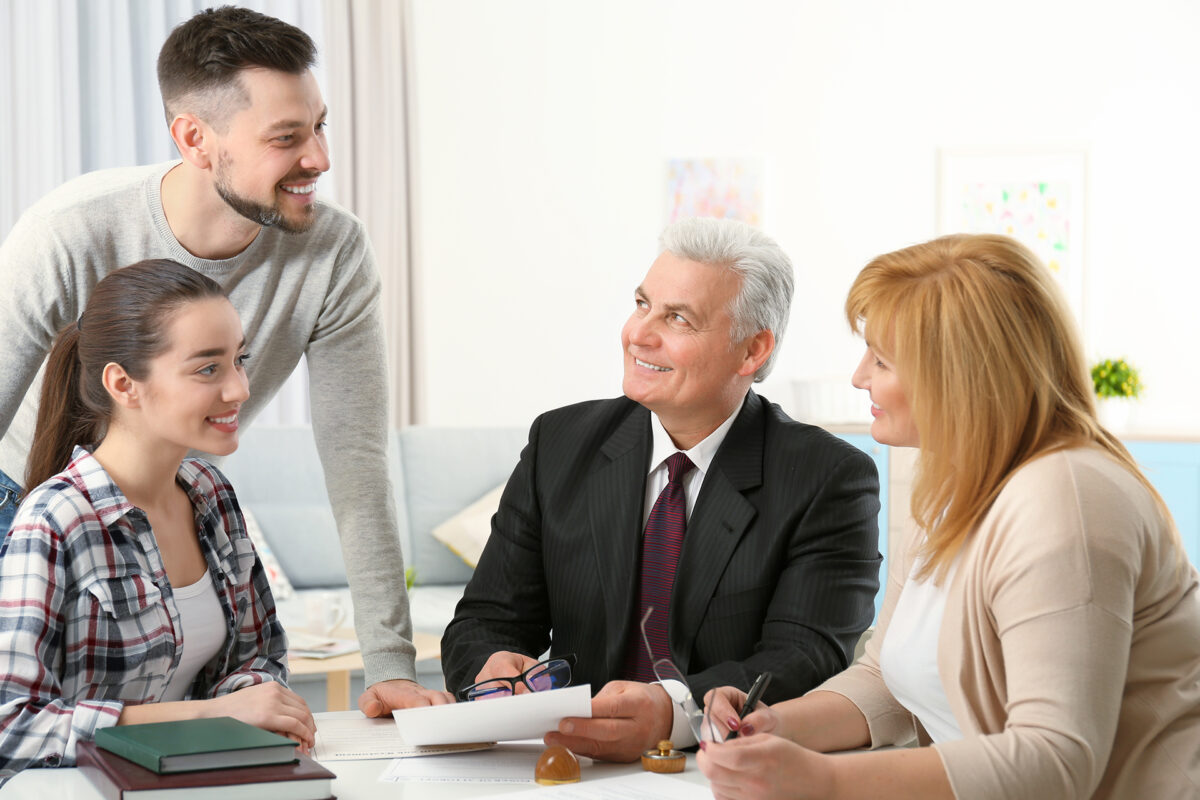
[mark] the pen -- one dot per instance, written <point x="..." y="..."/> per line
<point x="756" y="692"/>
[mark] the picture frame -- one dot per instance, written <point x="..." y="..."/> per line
<point x="711" y="186"/>
<point x="1037" y="197"/>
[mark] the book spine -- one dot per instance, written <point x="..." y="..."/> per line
<point x="127" y="749"/>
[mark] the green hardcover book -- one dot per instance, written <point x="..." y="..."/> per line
<point x="193" y="744"/>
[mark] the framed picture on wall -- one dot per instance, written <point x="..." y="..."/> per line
<point x="729" y="188"/>
<point x="1036" y="197"/>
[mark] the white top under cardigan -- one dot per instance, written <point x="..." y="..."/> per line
<point x="908" y="657"/>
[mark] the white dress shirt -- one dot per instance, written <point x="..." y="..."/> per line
<point x="701" y="456"/>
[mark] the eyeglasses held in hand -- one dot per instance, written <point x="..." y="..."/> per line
<point x="701" y="724"/>
<point x="553" y="673"/>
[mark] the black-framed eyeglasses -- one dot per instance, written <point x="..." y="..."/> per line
<point x="665" y="670"/>
<point x="553" y="673"/>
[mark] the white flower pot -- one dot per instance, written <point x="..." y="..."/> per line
<point x="1116" y="413"/>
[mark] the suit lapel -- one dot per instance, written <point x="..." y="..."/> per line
<point x="615" y="494"/>
<point x="720" y="518"/>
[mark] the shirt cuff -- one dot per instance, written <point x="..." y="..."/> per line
<point x="681" y="730"/>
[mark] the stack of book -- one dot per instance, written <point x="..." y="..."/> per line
<point x="198" y="759"/>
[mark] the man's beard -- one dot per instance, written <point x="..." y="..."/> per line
<point x="269" y="216"/>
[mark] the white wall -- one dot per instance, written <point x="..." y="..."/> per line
<point x="542" y="127"/>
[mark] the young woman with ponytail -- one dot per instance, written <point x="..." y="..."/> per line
<point x="129" y="590"/>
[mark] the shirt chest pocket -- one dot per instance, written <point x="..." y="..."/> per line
<point x="124" y="597"/>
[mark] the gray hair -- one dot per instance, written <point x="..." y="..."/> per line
<point x="764" y="300"/>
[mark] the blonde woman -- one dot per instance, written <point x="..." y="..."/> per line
<point x="1040" y="635"/>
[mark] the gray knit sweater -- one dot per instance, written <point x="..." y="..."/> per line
<point x="314" y="294"/>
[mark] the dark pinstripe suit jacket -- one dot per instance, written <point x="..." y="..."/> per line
<point x="779" y="569"/>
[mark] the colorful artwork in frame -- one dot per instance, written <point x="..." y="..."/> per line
<point x="1036" y="198"/>
<point x="729" y="188"/>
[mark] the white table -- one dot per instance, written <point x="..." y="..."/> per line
<point x="356" y="780"/>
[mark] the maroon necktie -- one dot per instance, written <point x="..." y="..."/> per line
<point x="661" y="546"/>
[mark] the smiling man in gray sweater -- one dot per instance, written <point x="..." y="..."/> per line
<point x="249" y="121"/>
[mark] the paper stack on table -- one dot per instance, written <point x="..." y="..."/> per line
<point x="308" y="645"/>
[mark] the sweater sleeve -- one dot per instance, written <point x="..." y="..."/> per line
<point x="349" y="390"/>
<point x="36" y="302"/>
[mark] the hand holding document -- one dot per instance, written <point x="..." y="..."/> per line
<point x="521" y="716"/>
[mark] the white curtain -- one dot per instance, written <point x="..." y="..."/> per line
<point x="78" y="92"/>
<point x="366" y="57"/>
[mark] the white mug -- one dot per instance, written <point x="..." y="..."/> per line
<point x="325" y="611"/>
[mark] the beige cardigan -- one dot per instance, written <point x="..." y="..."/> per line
<point x="1070" y="646"/>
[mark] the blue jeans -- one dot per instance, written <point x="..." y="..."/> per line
<point x="9" y="489"/>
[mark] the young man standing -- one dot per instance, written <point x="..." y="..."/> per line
<point x="249" y="121"/>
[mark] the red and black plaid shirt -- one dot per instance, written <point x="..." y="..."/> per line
<point x="88" y="618"/>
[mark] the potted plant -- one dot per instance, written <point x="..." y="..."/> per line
<point x="1117" y="385"/>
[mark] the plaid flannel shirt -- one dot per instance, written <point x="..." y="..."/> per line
<point x="88" y="617"/>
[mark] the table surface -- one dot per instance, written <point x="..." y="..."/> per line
<point x="356" y="780"/>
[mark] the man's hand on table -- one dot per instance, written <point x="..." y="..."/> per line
<point x="380" y="698"/>
<point x="628" y="718"/>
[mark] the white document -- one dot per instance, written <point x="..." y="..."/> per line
<point x="521" y="716"/>
<point x="352" y="736"/>
<point x="508" y="764"/>
<point x="639" y="786"/>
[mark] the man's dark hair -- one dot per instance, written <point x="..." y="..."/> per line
<point x="199" y="63"/>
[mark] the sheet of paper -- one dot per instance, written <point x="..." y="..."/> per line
<point x="639" y="786"/>
<point x="306" y="645"/>
<point x="509" y="764"/>
<point x="522" y="716"/>
<point x="351" y="737"/>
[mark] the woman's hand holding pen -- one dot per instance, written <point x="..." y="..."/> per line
<point x="764" y="767"/>
<point x="723" y="707"/>
<point x="757" y="764"/>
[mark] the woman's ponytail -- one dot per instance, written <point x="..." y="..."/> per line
<point x="63" y="419"/>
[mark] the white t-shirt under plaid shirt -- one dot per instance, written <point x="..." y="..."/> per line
<point x="87" y="615"/>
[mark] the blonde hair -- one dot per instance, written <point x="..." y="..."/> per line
<point x="993" y="368"/>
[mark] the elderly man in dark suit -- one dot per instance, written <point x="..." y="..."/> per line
<point x="757" y="547"/>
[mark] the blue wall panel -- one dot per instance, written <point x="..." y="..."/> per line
<point x="878" y="454"/>
<point x="1174" y="469"/>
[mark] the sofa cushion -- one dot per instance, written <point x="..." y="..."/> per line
<point x="277" y="474"/>
<point x="467" y="532"/>
<point x="281" y="586"/>
<point x="445" y="470"/>
<point x="304" y="538"/>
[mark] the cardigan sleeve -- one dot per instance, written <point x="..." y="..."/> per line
<point x="1049" y="611"/>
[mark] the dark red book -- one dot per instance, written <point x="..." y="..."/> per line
<point x="120" y="779"/>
